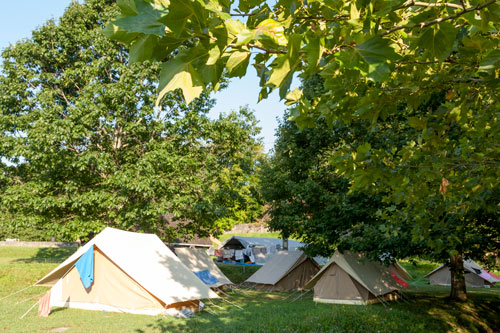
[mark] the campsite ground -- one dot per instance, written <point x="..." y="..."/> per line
<point x="427" y="310"/>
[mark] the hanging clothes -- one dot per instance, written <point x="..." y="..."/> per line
<point x="238" y="254"/>
<point x="206" y="277"/>
<point x="44" y="305"/>
<point x="85" y="267"/>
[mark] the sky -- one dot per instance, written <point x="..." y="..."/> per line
<point x="18" y="18"/>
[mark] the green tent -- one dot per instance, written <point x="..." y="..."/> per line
<point x="349" y="278"/>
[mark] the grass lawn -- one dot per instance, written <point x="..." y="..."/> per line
<point x="427" y="311"/>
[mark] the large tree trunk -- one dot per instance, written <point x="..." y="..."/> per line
<point x="458" y="291"/>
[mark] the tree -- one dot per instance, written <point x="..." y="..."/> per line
<point x="83" y="146"/>
<point x="377" y="58"/>
<point x="307" y="199"/>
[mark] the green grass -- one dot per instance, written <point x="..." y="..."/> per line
<point x="428" y="309"/>
<point x="238" y="273"/>
<point x="224" y="237"/>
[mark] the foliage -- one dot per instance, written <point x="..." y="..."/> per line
<point x="424" y="72"/>
<point x="83" y="146"/>
<point x="263" y="311"/>
<point x="308" y="199"/>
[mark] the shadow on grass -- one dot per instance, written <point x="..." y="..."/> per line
<point x="49" y="254"/>
<point x="273" y="312"/>
<point x="478" y="314"/>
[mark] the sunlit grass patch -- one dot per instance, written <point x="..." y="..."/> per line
<point x="428" y="309"/>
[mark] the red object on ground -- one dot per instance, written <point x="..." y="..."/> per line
<point x="44" y="306"/>
<point x="400" y="281"/>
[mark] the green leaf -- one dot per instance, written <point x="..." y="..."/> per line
<point x="179" y="11"/>
<point x="363" y="149"/>
<point x="273" y="30"/>
<point x="244" y="37"/>
<point x="127" y="7"/>
<point x="237" y="63"/>
<point x="490" y="62"/>
<point x="179" y="73"/>
<point x="145" y="22"/>
<point x="293" y="96"/>
<point x="314" y="48"/>
<point x="119" y="34"/>
<point x="293" y="46"/>
<point x="216" y="8"/>
<point x="211" y="73"/>
<point x="425" y="15"/>
<point x="417" y="123"/>
<point x="281" y="68"/>
<point x="379" y="72"/>
<point x="234" y="27"/>
<point x="142" y="48"/>
<point x="376" y="50"/>
<point x="213" y="55"/>
<point x="437" y="41"/>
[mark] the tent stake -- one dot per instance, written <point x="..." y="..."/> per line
<point x="27" y="299"/>
<point x="223" y="292"/>
<point x="29" y="310"/>
<point x="16" y="292"/>
<point x="301" y="295"/>
<point x="292" y="294"/>
<point x="225" y="300"/>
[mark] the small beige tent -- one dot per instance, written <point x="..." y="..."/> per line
<point x="350" y="279"/>
<point x="285" y="270"/>
<point x="197" y="260"/>
<point x="475" y="276"/>
<point x="131" y="272"/>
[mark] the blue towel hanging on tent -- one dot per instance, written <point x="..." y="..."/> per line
<point x="206" y="277"/>
<point x="85" y="267"/>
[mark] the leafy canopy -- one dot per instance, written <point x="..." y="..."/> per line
<point x="424" y="74"/>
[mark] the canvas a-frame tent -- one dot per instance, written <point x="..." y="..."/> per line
<point x="475" y="276"/>
<point x="286" y="270"/>
<point x="348" y="278"/>
<point x="132" y="273"/>
<point x="197" y="260"/>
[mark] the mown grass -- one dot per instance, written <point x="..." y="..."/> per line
<point x="428" y="308"/>
<point x="238" y="273"/>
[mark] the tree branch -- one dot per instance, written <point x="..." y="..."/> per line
<point x="260" y="48"/>
<point x="438" y="20"/>
<point x="237" y="14"/>
<point x="320" y="18"/>
<point x="433" y="4"/>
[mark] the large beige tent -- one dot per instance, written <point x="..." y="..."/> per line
<point x="350" y="279"/>
<point x="285" y="270"/>
<point x="132" y="272"/>
<point x="197" y="260"/>
<point x="475" y="275"/>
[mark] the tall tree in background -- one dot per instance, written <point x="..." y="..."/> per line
<point x="373" y="56"/>
<point x="83" y="146"/>
<point x="307" y="199"/>
<point x="312" y="202"/>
